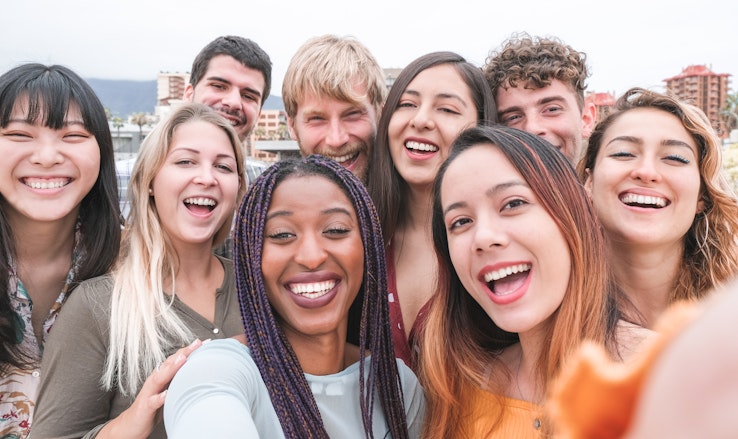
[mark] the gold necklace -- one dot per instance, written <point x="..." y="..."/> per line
<point x="537" y="424"/>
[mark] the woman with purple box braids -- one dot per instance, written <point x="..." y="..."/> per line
<point x="310" y="272"/>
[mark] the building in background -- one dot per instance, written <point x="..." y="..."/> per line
<point x="169" y="91"/>
<point x="700" y="86"/>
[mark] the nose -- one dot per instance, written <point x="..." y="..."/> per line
<point x="232" y="98"/>
<point x="310" y="253"/>
<point x="645" y="170"/>
<point x="534" y="125"/>
<point x="205" y="176"/>
<point x="422" y="119"/>
<point x="489" y="234"/>
<point x="337" y="135"/>
<point x="47" y="153"/>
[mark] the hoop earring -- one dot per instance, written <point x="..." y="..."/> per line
<point x="703" y="244"/>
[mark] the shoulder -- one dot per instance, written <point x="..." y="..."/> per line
<point x="92" y="295"/>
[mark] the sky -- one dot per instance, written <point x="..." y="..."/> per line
<point x="627" y="42"/>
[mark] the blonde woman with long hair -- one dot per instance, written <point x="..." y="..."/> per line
<point x="107" y="367"/>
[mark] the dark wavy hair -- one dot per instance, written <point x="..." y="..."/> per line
<point x="49" y="91"/>
<point x="386" y="186"/>
<point x="368" y="317"/>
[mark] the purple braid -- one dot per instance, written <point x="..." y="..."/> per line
<point x="280" y="369"/>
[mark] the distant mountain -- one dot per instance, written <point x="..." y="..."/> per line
<point x="124" y="97"/>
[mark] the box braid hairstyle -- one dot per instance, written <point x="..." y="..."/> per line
<point x="368" y="317"/>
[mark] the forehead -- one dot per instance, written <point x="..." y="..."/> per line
<point x="440" y="78"/>
<point x="309" y="194"/>
<point x="649" y="122"/>
<point x="40" y="113"/>
<point x="525" y="95"/>
<point x="201" y="136"/>
<point x="472" y="167"/>
<point x="327" y="99"/>
<point x="228" y="68"/>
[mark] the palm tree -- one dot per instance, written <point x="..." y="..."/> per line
<point x="730" y="112"/>
<point x="118" y="124"/>
<point x="139" y="119"/>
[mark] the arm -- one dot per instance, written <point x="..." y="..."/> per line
<point x="213" y="394"/>
<point x="71" y="400"/>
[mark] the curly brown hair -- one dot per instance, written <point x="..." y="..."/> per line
<point x="535" y="62"/>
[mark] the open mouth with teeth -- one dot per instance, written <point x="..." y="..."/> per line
<point x="346" y="160"/>
<point x="645" y="201"/>
<point x="43" y="183"/>
<point x="420" y="148"/>
<point x="312" y="290"/>
<point x="200" y="204"/>
<point x="507" y="280"/>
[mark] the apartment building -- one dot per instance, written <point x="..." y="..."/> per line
<point x="700" y="86"/>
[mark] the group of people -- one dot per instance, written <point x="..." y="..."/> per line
<point x="430" y="268"/>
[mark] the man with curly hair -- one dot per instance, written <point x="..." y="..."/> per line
<point x="538" y="85"/>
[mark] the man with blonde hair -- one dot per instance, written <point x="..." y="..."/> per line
<point x="333" y="92"/>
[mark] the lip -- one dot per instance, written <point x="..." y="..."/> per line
<point x="513" y="296"/>
<point x="417" y="155"/>
<point x="648" y="195"/>
<point x="46" y="184"/>
<point x="313" y="277"/>
<point x="200" y="214"/>
<point x="351" y="163"/>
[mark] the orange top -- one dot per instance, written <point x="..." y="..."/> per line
<point x="520" y="419"/>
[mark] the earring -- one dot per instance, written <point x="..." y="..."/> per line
<point x="151" y="191"/>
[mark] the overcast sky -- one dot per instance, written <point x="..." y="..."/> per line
<point x="628" y="42"/>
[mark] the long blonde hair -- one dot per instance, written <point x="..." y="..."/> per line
<point x="143" y="325"/>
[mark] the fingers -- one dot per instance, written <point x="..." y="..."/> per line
<point x="154" y="388"/>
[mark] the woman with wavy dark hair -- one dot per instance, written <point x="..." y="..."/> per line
<point x="59" y="217"/>
<point x="318" y="359"/>
<point x="653" y="169"/>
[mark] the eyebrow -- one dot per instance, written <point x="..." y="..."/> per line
<point x="489" y="193"/>
<point x="198" y="152"/>
<point x="665" y="142"/>
<point x="538" y="103"/>
<point x="288" y="213"/>
<point x="439" y="96"/>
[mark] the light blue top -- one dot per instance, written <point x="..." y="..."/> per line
<point x="219" y="392"/>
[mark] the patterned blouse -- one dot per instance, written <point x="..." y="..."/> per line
<point x="18" y="389"/>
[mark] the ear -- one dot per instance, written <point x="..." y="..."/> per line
<point x="589" y="113"/>
<point x="291" y="128"/>
<point x="588" y="182"/>
<point x="701" y="204"/>
<point x="189" y="91"/>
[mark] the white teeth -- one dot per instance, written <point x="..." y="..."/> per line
<point x="643" y="200"/>
<point x="313" y="290"/>
<point x="46" y="184"/>
<point x="343" y="158"/>
<point x="421" y="146"/>
<point x="200" y="201"/>
<point x="504" y="272"/>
